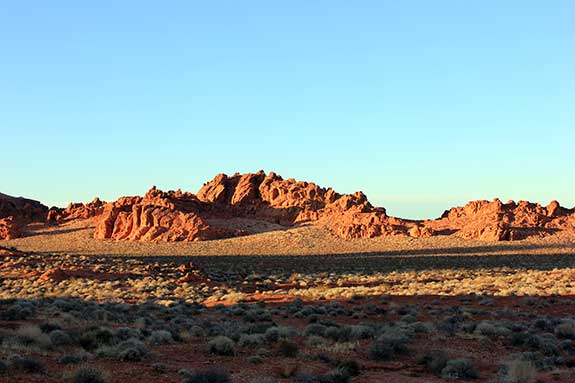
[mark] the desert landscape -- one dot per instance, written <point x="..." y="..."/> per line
<point x="414" y="221"/>
<point x="258" y="279"/>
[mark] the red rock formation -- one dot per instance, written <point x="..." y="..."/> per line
<point x="76" y="211"/>
<point x="158" y="216"/>
<point x="16" y="212"/>
<point x="274" y="199"/>
<point x="496" y="221"/>
<point x="9" y="229"/>
<point x="269" y="199"/>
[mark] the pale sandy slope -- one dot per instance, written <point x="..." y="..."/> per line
<point x="76" y="238"/>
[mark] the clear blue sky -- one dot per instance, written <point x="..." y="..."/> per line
<point x="421" y="104"/>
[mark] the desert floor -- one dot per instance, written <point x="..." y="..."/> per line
<point x="296" y="305"/>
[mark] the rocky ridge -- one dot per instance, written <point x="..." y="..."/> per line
<point x="183" y="216"/>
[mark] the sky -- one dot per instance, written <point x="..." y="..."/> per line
<point x="422" y="105"/>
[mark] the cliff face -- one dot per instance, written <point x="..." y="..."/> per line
<point x="182" y="216"/>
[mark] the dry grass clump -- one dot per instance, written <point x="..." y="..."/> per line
<point x="519" y="371"/>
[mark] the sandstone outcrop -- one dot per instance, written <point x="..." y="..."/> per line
<point x="497" y="221"/>
<point x="158" y="216"/>
<point x="16" y="212"/>
<point x="286" y="202"/>
<point x="76" y="211"/>
<point x="268" y="199"/>
<point x="9" y="229"/>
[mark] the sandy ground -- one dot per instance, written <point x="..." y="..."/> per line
<point x="307" y="239"/>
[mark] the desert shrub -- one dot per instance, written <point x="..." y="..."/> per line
<point x="27" y="364"/>
<point x="337" y="375"/>
<point x="316" y="341"/>
<point x="95" y="337"/>
<point x="18" y="311"/>
<point x="451" y="324"/>
<point x="257" y="314"/>
<point x="288" y="332"/>
<point x="520" y="338"/>
<point x="314" y="329"/>
<point x="48" y="327"/>
<point x="207" y="376"/>
<point x="59" y="338"/>
<point x="221" y="345"/>
<point x="537" y="359"/>
<point x="518" y="371"/>
<point x="549" y="347"/>
<point x="255" y="359"/>
<point x="130" y="355"/>
<point x="434" y="360"/>
<point x="338" y="334"/>
<point x="250" y="340"/>
<point x="351" y="366"/>
<point x="125" y="333"/>
<point x="196" y="331"/>
<point x="272" y="334"/>
<point x="288" y="348"/>
<point x="565" y="329"/>
<point x="263" y="352"/>
<point x="421" y="327"/>
<point x="461" y="368"/>
<point x="131" y="350"/>
<point x="88" y="374"/>
<point x="568" y="346"/>
<point x="491" y="330"/>
<point x="160" y="337"/>
<point x="542" y="324"/>
<point x="388" y="346"/>
<point x="340" y="347"/>
<point x="73" y="358"/>
<point x="30" y="335"/>
<point x="361" y="332"/>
